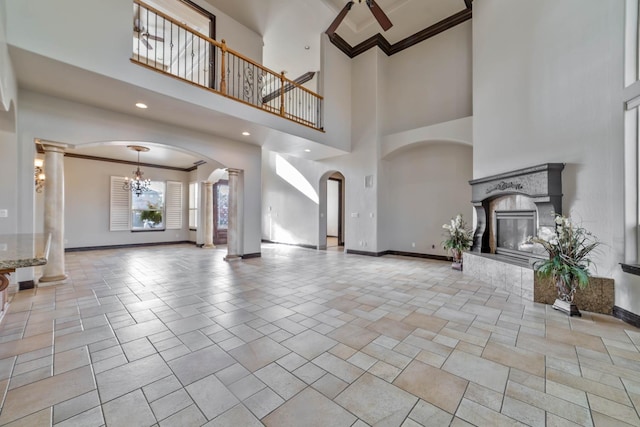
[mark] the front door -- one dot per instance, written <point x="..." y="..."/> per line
<point x="220" y="212"/>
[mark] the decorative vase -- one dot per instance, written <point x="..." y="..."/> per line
<point x="457" y="259"/>
<point x="566" y="292"/>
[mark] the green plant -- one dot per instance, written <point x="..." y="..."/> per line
<point x="459" y="237"/>
<point x="569" y="262"/>
<point x="153" y="216"/>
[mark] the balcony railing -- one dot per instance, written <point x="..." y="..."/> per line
<point x="163" y="44"/>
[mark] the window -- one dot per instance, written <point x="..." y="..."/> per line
<point x="158" y="209"/>
<point x="193" y="205"/>
<point x="147" y="210"/>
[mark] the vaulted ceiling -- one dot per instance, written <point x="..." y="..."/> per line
<point x="288" y="26"/>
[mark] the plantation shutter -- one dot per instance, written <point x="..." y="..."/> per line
<point x="174" y="205"/>
<point x="120" y="206"/>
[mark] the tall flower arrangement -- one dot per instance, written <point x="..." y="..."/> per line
<point x="459" y="237"/>
<point x="568" y="264"/>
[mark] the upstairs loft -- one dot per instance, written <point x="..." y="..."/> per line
<point x="164" y="44"/>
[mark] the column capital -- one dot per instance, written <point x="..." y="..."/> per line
<point x="56" y="147"/>
<point x="207" y="183"/>
<point x="233" y="171"/>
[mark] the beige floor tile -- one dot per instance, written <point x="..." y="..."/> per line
<point x="309" y="344"/>
<point x="14" y="348"/>
<point x="425" y="414"/>
<point x="523" y="412"/>
<point x="613" y="409"/>
<point x="259" y="353"/>
<point x="124" y="379"/>
<point x="310" y="409"/>
<point x="330" y="385"/>
<point x="376" y="401"/>
<point x="432" y="385"/>
<point x="485" y="397"/>
<point x="239" y="415"/>
<point x="246" y="387"/>
<point x="190" y="416"/>
<point x="549" y="403"/>
<point x="338" y="367"/>
<point x="515" y="357"/>
<point x="589" y="386"/>
<point x="478" y="370"/>
<point x="353" y="335"/>
<point x="131" y="409"/>
<point x="211" y="396"/>
<point x="479" y="415"/>
<point x="280" y="380"/>
<point x="601" y="420"/>
<point x="199" y="364"/>
<point x="575" y="338"/>
<point x="391" y="328"/>
<point x="405" y="322"/>
<point x="77" y="405"/>
<point x="45" y="393"/>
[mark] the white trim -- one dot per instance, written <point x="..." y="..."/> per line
<point x="119" y="206"/>
<point x="173" y="206"/>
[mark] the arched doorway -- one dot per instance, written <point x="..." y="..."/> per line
<point x="332" y="209"/>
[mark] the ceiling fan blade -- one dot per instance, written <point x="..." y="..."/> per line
<point x="336" y="22"/>
<point x="146" y="43"/>
<point x="156" y="38"/>
<point x="380" y="16"/>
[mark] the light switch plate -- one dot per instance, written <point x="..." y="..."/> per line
<point x="4" y="213"/>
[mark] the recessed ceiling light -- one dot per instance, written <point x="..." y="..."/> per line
<point x="307" y="47"/>
<point x="245" y="133"/>
<point x="141" y="105"/>
<point x="306" y="150"/>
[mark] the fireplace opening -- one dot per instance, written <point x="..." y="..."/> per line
<point x="513" y="232"/>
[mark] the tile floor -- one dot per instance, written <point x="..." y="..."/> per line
<point x="175" y="336"/>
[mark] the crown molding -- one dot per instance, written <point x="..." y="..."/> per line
<point x="391" y="49"/>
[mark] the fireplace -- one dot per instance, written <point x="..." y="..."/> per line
<point x="514" y="230"/>
<point x="514" y="206"/>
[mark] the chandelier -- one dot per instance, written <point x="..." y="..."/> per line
<point x="136" y="184"/>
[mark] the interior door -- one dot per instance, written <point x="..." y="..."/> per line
<point x="220" y="211"/>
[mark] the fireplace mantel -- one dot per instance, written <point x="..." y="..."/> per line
<point x="542" y="184"/>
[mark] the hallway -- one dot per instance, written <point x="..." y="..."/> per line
<point x="175" y="336"/>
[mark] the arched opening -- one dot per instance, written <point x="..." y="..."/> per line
<point x="332" y="211"/>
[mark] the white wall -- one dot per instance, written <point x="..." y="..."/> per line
<point x="8" y="138"/>
<point x="288" y="216"/>
<point x="548" y="80"/>
<point x="63" y="121"/>
<point x="429" y="184"/>
<point x="8" y="84"/>
<point x="87" y="194"/>
<point x="335" y="85"/>
<point x="237" y="36"/>
<point x="430" y="82"/>
<point x="393" y="211"/>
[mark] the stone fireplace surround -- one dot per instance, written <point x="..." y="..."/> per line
<point x="537" y="188"/>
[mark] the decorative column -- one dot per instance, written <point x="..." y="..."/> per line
<point x="233" y="235"/>
<point x="54" y="210"/>
<point x="208" y="215"/>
